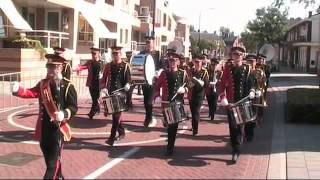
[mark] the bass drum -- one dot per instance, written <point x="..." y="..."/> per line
<point x="143" y="69"/>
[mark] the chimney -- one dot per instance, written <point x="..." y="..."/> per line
<point x="310" y="13"/>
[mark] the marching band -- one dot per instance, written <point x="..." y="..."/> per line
<point x="239" y="87"/>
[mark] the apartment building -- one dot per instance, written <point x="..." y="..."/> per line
<point x="78" y="25"/>
<point x="301" y="49"/>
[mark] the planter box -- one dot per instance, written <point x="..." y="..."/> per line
<point x="303" y="105"/>
<point x="27" y="62"/>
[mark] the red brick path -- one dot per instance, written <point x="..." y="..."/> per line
<point x="206" y="156"/>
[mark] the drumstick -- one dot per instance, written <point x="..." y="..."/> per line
<point x="240" y="101"/>
<point x="177" y="92"/>
<point x="120" y="89"/>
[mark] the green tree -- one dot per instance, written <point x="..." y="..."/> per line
<point x="249" y="41"/>
<point x="192" y="28"/>
<point x="269" y="26"/>
<point x="279" y="3"/>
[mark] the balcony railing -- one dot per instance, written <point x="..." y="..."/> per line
<point x="47" y="38"/>
<point x="145" y="19"/>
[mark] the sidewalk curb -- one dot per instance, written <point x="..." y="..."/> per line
<point x="277" y="168"/>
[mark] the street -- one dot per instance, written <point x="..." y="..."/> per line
<point x="279" y="149"/>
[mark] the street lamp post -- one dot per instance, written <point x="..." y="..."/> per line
<point x="200" y="25"/>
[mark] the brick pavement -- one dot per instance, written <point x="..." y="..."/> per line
<point x="206" y="156"/>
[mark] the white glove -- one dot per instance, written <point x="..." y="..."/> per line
<point x="127" y="87"/>
<point x="181" y="90"/>
<point x="14" y="87"/>
<point x="100" y="75"/>
<point x="258" y="93"/>
<point x="103" y="92"/>
<point x="213" y="83"/>
<point x="59" y="116"/>
<point x="251" y="94"/>
<point x="158" y="73"/>
<point x="157" y="100"/>
<point x="199" y="81"/>
<point x="224" y="101"/>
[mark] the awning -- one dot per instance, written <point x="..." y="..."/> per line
<point x="89" y="11"/>
<point x="13" y="15"/>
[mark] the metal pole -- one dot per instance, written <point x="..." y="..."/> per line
<point x="199" y="30"/>
<point x="153" y="18"/>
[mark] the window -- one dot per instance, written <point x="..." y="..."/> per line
<point x="29" y="15"/>
<point x="85" y="30"/>
<point x="169" y="24"/>
<point x="126" y="36"/>
<point x="158" y="18"/>
<point x="164" y="20"/>
<point x="111" y="2"/>
<point x="121" y="36"/>
<point x="2" y="30"/>
<point x="53" y="21"/>
<point x="163" y="38"/>
<point x="144" y="11"/>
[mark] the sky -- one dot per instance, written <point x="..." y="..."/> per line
<point x="233" y="14"/>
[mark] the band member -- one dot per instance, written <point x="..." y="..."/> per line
<point x="200" y="78"/>
<point x="211" y="90"/>
<point x="236" y="83"/>
<point x="171" y="81"/>
<point x="116" y="75"/>
<point x="261" y="64"/>
<point x="205" y="62"/>
<point x="146" y="88"/>
<point x="57" y="104"/>
<point x="183" y="64"/>
<point x="66" y="67"/>
<point x="128" y="56"/>
<point x="94" y="67"/>
<point x="129" y="93"/>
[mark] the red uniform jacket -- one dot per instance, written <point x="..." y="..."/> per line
<point x="227" y="84"/>
<point x="88" y="65"/>
<point x="163" y="83"/>
<point x="113" y="79"/>
<point x="68" y="107"/>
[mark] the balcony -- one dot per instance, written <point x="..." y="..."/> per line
<point x="47" y="38"/>
<point x="145" y="19"/>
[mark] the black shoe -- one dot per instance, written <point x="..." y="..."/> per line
<point x="90" y="115"/>
<point x="120" y="137"/>
<point x="235" y="157"/>
<point x="249" y="138"/>
<point x="168" y="152"/>
<point x="146" y="123"/>
<point x="194" y="133"/>
<point x="110" y="141"/>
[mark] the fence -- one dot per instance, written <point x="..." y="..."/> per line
<point x="29" y="80"/>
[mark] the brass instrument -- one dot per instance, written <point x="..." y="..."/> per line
<point x="217" y="74"/>
<point x="261" y="83"/>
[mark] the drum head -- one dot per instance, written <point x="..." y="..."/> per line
<point x="150" y="69"/>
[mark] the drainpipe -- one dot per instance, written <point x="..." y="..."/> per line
<point x="153" y="18"/>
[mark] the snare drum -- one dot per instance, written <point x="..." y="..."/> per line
<point x="114" y="103"/>
<point x="172" y="113"/>
<point x="143" y="69"/>
<point x="243" y="113"/>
